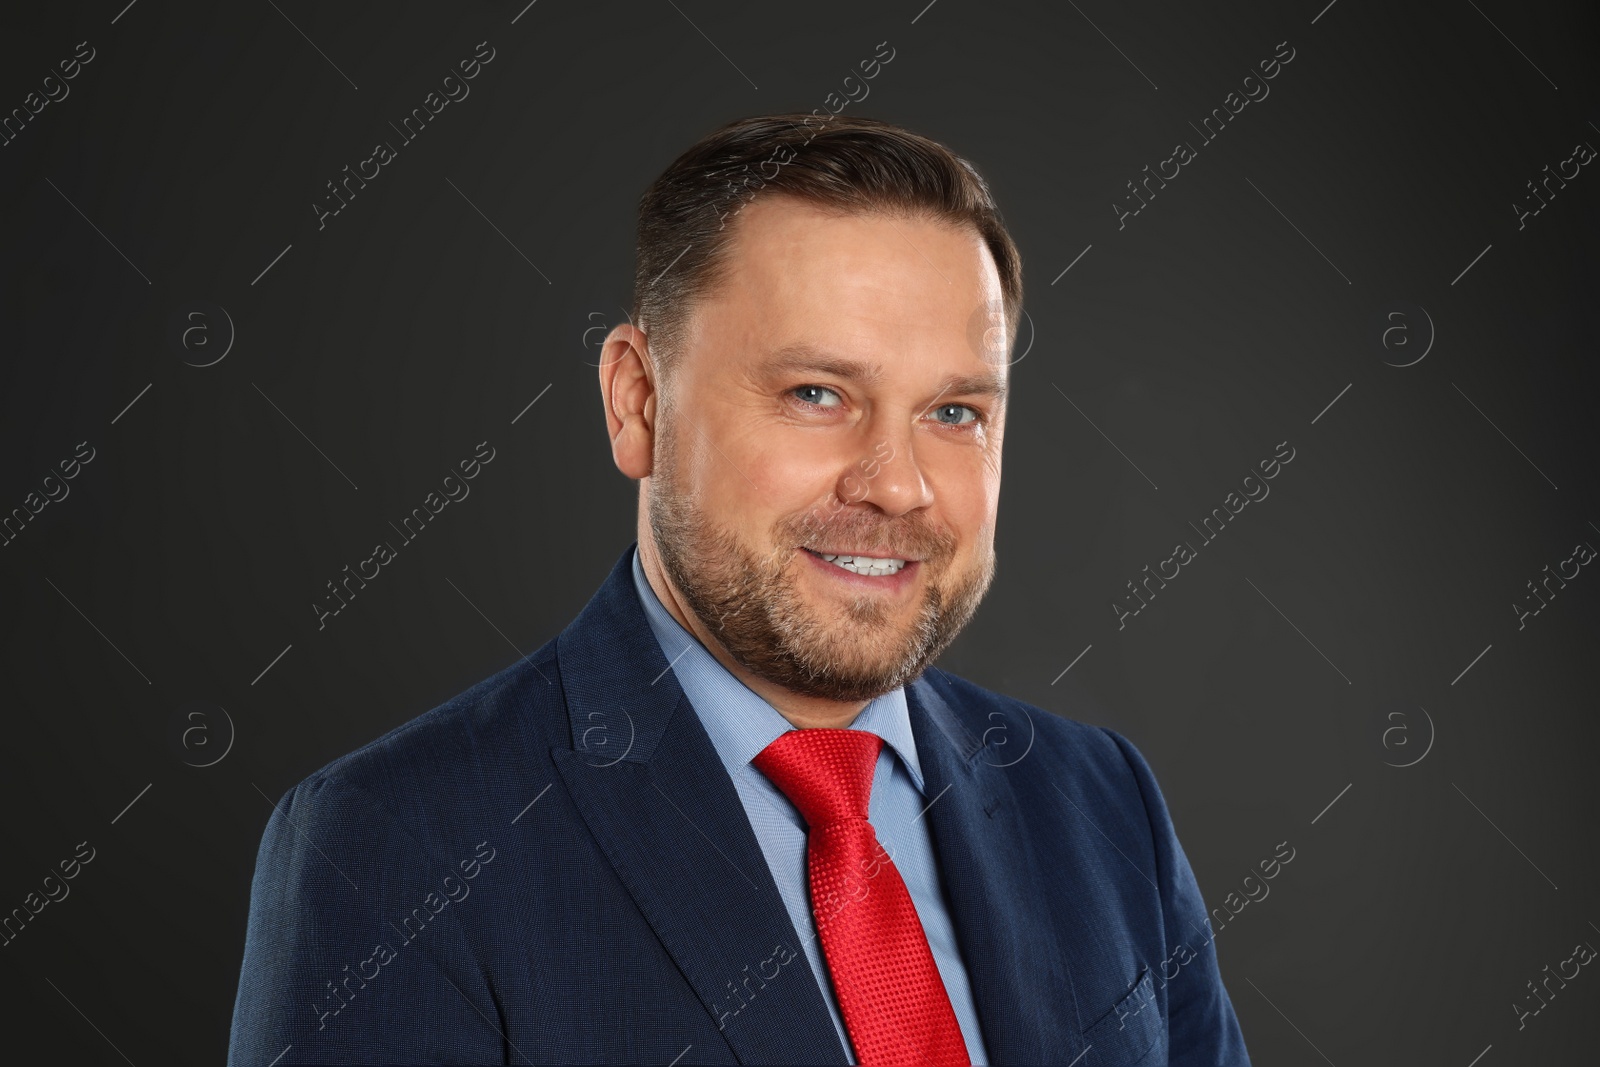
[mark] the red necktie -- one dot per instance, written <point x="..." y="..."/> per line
<point x="891" y="996"/>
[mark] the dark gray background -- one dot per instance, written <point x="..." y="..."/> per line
<point x="1176" y="352"/>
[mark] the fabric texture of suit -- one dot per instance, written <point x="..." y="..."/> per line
<point x="554" y="868"/>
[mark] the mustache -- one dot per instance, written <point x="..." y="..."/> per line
<point x="908" y="538"/>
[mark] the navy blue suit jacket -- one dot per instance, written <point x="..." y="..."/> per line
<point x="554" y="867"/>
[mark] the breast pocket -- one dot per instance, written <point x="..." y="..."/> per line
<point x="1132" y="1032"/>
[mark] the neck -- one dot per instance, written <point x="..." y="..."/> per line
<point x="804" y="712"/>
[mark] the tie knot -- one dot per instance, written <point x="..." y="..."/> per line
<point x="826" y="773"/>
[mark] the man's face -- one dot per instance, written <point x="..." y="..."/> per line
<point x="772" y="448"/>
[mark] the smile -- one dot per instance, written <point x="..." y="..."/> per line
<point x="867" y="566"/>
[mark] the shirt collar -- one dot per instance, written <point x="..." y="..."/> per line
<point x="741" y="723"/>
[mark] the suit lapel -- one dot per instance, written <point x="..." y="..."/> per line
<point x="1020" y="978"/>
<point x="653" y="792"/>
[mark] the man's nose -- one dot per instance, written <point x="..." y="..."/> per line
<point x="887" y="475"/>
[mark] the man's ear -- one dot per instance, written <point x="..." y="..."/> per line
<point x="628" y="388"/>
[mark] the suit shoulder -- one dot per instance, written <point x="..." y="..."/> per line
<point x="1047" y="757"/>
<point x="477" y="743"/>
<point x="996" y="719"/>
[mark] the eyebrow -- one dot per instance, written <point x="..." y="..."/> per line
<point x="801" y="357"/>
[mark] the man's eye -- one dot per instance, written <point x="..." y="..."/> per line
<point x="816" y="396"/>
<point x="810" y="393"/>
<point x="976" y="416"/>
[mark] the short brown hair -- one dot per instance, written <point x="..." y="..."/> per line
<point x="849" y="164"/>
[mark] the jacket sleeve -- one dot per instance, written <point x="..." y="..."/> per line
<point x="1202" y="1030"/>
<point x="355" y="951"/>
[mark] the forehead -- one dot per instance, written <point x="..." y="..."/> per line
<point x="894" y="289"/>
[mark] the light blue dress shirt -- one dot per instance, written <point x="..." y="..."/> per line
<point x="740" y="725"/>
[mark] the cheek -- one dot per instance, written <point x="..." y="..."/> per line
<point x="752" y="484"/>
<point x="991" y="490"/>
<point x="991" y="466"/>
<point x="972" y="497"/>
<point x="795" y="475"/>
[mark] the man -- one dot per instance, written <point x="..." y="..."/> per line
<point x="732" y="814"/>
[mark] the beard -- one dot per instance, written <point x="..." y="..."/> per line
<point x="851" y="648"/>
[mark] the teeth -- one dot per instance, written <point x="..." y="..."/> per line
<point x="867" y="565"/>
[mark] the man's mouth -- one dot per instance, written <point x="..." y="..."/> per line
<point x="871" y="566"/>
